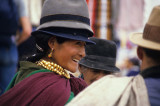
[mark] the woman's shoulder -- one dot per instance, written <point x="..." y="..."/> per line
<point x="25" y="69"/>
<point x="46" y="87"/>
<point x="77" y="84"/>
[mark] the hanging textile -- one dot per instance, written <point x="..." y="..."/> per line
<point x="98" y="16"/>
<point x="130" y="15"/>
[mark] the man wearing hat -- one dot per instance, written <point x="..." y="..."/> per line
<point x="99" y="61"/>
<point x="141" y="90"/>
<point x="148" y="51"/>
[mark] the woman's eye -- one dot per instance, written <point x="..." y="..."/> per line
<point x="80" y="43"/>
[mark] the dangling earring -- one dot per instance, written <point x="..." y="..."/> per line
<point x="50" y="54"/>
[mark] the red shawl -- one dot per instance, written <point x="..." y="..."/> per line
<point x="41" y="89"/>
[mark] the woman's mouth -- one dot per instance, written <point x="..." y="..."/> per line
<point x="76" y="60"/>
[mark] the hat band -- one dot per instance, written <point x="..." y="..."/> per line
<point x="65" y="17"/>
<point x="101" y="59"/>
<point x="151" y="33"/>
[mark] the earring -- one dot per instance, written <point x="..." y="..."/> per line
<point x="50" y="54"/>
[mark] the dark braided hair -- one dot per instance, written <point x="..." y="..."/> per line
<point x="42" y="38"/>
<point x="43" y="48"/>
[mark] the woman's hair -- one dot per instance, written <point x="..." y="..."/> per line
<point x="42" y="38"/>
<point x="42" y="46"/>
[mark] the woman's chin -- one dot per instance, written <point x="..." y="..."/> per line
<point x="73" y="70"/>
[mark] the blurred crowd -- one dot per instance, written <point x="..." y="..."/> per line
<point x="18" y="19"/>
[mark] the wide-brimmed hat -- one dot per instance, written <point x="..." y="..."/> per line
<point x="101" y="56"/>
<point x="150" y="38"/>
<point x="66" y="14"/>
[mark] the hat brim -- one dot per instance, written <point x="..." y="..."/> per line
<point x="64" y="35"/>
<point x="67" y="24"/>
<point x="98" y="66"/>
<point x="137" y="38"/>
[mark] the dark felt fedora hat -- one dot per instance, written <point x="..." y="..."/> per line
<point x="65" y="14"/>
<point x="101" y="56"/>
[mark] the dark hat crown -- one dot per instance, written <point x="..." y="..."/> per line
<point x="101" y="56"/>
<point x="102" y="48"/>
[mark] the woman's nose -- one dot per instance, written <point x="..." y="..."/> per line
<point x="82" y="52"/>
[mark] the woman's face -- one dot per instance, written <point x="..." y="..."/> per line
<point x="68" y="54"/>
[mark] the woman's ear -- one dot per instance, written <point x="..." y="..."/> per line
<point x="140" y="52"/>
<point x="51" y="42"/>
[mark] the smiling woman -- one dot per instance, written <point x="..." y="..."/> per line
<point x="60" y="41"/>
<point x="67" y="54"/>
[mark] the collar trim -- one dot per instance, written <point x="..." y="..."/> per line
<point x="152" y="72"/>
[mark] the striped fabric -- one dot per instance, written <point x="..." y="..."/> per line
<point x="99" y="16"/>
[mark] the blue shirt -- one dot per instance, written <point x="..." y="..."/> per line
<point x="152" y="80"/>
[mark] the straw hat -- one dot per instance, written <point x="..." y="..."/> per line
<point x="70" y="15"/>
<point x="150" y="38"/>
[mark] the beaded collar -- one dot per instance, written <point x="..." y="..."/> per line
<point x="53" y="67"/>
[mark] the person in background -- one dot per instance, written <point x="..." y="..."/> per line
<point x="8" y="49"/>
<point x="99" y="61"/>
<point x="132" y="65"/>
<point x="140" y="90"/>
<point x="34" y="8"/>
<point x="148" y="51"/>
<point x="24" y="32"/>
<point x="42" y="79"/>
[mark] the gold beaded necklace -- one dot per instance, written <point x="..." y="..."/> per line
<point x="53" y="67"/>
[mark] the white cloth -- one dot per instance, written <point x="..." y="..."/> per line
<point x="114" y="91"/>
<point x="34" y="11"/>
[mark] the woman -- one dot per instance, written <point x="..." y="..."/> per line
<point x="60" y="41"/>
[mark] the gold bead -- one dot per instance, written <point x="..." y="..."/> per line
<point x="55" y="65"/>
<point x="47" y="63"/>
<point x="59" y="73"/>
<point x="60" y="68"/>
<point x="52" y="67"/>
<point x="52" y="63"/>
